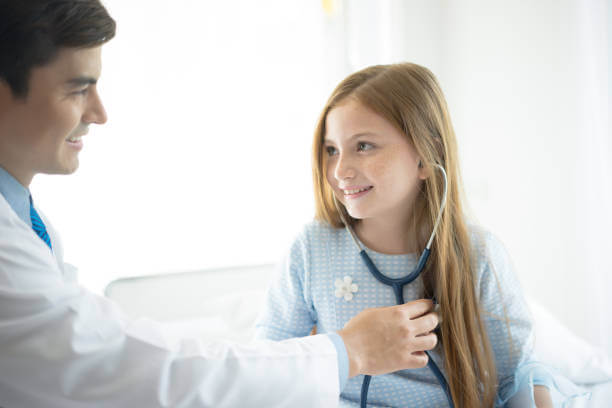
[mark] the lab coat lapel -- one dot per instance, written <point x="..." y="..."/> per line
<point x="19" y="230"/>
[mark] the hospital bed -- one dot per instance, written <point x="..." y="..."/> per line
<point x="224" y="303"/>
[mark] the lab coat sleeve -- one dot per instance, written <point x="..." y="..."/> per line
<point x="61" y="346"/>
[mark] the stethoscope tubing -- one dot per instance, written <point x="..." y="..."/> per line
<point x="398" y="285"/>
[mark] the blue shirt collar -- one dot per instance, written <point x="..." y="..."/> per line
<point x="16" y="195"/>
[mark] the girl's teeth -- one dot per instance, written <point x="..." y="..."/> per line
<point x="359" y="190"/>
<point x="74" y="139"/>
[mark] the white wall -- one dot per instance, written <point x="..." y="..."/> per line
<point x="206" y="159"/>
<point x="519" y="114"/>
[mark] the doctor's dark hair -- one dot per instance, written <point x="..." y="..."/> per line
<point x="409" y="97"/>
<point x="32" y="32"/>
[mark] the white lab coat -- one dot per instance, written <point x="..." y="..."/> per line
<point x="61" y="346"/>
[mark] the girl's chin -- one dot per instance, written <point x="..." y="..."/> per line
<point x="358" y="215"/>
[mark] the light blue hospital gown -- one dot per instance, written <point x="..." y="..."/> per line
<point x="303" y="295"/>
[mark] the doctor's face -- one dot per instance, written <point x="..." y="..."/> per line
<point x="42" y="133"/>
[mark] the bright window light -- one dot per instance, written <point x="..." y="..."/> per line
<point x="205" y="160"/>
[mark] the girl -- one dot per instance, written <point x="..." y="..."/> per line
<point x="384" y="152"/>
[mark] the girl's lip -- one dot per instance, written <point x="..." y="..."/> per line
<point x="354" y="187"/>
<point x="357" y="195"/>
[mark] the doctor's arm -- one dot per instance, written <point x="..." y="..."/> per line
<point x="61" y="346"/>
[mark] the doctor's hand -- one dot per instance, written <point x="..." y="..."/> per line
<point x="387" y="339"/>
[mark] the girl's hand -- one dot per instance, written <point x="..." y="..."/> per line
<point x="388" y="339"/>
<point x="541" y="396"/>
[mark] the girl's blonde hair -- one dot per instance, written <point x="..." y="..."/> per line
<point x="409" y="97"/>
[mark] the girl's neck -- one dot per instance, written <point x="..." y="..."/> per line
<point x="386" y="236"/>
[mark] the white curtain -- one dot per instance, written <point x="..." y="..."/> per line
<point x="527" y="83"/>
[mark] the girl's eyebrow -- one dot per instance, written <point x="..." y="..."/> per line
<point x="355" y="136"/>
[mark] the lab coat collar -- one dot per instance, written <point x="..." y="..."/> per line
<point x="16" y="195"/>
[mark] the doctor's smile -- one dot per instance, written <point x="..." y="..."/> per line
<point x="76" y="142"/>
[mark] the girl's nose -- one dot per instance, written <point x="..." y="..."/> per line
<point x="344" y="168"/>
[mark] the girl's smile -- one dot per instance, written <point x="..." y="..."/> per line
<point x="354" y="192"/>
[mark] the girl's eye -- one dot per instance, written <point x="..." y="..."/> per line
<point x="363" y="146"/>
<point x="330" y="150"/>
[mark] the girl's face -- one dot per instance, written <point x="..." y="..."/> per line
<point x="372" y="168"/>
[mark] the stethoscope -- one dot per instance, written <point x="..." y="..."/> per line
<point x="398" y="288"/>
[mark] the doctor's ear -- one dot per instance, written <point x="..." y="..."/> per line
<point x="5" y="92"/>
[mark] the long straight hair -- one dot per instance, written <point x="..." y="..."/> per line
<point x="409" y="97"/>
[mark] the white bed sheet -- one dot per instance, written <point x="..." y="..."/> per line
<point x="223" y="304"/>
<point x="601" y="397"/>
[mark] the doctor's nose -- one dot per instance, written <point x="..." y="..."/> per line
<point x="95" y="112"/>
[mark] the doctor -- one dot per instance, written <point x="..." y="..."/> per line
<point x="61" y="346"/>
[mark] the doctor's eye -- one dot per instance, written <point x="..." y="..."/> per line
<point x="81" y="92"/>
<point x="331" y="150"/>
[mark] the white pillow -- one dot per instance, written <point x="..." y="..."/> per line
<point x="557" y="347"/>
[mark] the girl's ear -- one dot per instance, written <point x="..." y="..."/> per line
<point x="423" y="172"/>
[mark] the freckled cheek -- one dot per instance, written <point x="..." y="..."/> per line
<point x="378" y="171"/>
